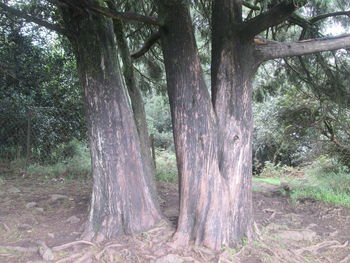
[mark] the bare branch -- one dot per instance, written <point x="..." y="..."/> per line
<point x="131" y="16"/>
<point x="276" y="15"/>
<point x="272" y="49"/>
<point x="147" y="45"/>
<point x="33" y="19"/>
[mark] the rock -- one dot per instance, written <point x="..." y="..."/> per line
<point x="171" y="258"/>
<point x="46" y="253"/>
<point x="56" y="197"/>
<point x="13" y="190"/>
<point x="39" y="209"/>
<point x="30" y="205"/>
<point x="24" y="227"/>
<point x="295" y="235"/>
<point x="52" y="235"/>
<point x="73" y="220"/>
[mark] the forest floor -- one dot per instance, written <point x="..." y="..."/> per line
<point x="41" y="220"/>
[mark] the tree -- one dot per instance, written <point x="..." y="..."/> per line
<point x="212" y="132"/>
<point x="122" y="198"/>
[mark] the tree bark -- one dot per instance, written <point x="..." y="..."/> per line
<point x="213" y="144"/>
<point x="122" y="200"/>
<point x="137" y="103"/>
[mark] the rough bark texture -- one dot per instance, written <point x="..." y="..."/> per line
<point x="137" y="103"/>
<point x="122" y="201"/>
<point x="213" y="144"/>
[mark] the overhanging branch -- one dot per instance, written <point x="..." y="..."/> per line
<point x="276" y="15"/>
<point x="147" y="45"/>
<point x="131" y="16"/>
<point x="32" y="19"/>
<point x="273" y="50"/>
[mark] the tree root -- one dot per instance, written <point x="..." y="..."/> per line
<point x="79" y="242"/>
<point x="86" y="258"/>
<point x="69" y="258"/>
<point x="5" y="226"/>
<point x="20" y="249"/>
<point x="330" y="244"/>
<point x="346" y="259"/>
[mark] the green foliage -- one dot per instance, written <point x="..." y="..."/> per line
<point x="166" y="166"/>
<point x="159" y="121"/>
<point x="71" y="160"/>
<point x="272" y="170"/>
<point x="39" y="88"/>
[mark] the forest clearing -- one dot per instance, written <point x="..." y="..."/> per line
<point x="36" y="210"/>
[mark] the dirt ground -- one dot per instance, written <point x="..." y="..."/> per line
<point x="41" y="220"/>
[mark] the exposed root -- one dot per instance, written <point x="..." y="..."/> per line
<point x="332" y="244"/>
<point x="70" y="258"/>
<point x="5" y="226"/>
<point x="79" y="242"/>
<point x="346" y="259"/>
<point x="87" y="257"/>
<point x="20" y="249"/>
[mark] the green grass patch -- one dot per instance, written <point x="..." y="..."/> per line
<point x="275" y="181"/>
<point x="331" y="187"/>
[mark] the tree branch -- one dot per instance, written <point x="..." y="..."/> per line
<point x="32" y="19"/>
<point x="273" y="50"/>
<point x="131" y="16"/>
<point x="147" y="45"/>
<point x="323" y="16"/>
<point x="250" y="6"/>
<point x="273" y="17"/>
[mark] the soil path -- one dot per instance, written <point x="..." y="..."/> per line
<point x="36" y="211"/>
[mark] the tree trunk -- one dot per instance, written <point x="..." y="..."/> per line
<point x="137" y="103"/>
<point x="214" y="167"/>
<point x="122" y="202"/>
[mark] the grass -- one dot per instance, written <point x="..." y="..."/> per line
<point x="331" y="187"/>
<point x="325" y="180"/>
<point x="269" y="180"/>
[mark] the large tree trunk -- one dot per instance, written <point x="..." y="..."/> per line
<point x="213" y="153"/>
<point x="137" y="102"/>
<point x="233" y="69"/>
<point x="122" y="202"/>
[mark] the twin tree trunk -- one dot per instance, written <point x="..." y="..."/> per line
<point x="122" y="198"/>
<point x="212" y="135"/>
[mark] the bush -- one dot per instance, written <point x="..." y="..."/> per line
<point x="72" y="160"/>
<point x="166" y="166"/>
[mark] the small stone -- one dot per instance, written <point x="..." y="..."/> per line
<point x="46" y="253"/>
<point x="39" y="209"/>
<point x="30" y="205"/>
<point x="13" y="190"/>
<point x="56" y="197"/>
<point x="73" y="220"/>
<point x="171" y="258"/>
<point x="52" y="235"/>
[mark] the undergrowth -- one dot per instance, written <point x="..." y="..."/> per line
<point x="72" y="160"/>
<point x="326" y="180"/>
<point x="166" y="170"/>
